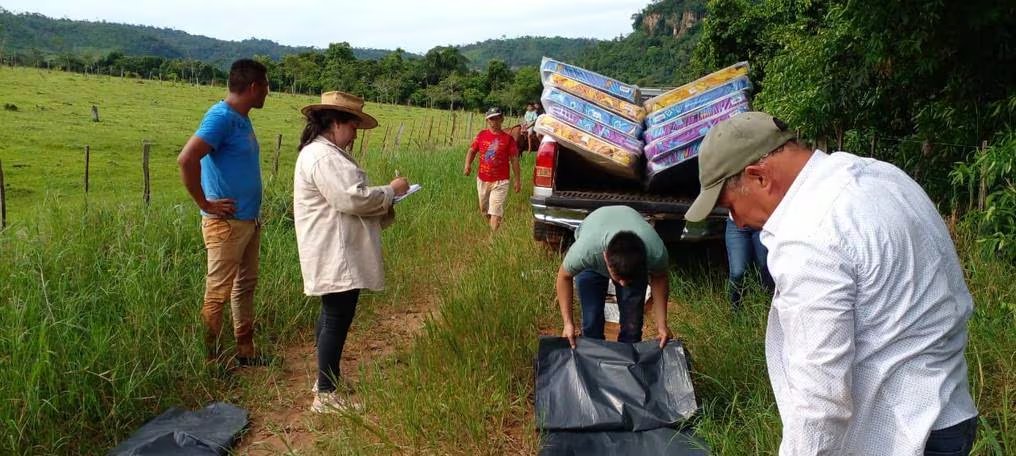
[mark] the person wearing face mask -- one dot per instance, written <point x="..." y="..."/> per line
<point x="338" y="219"/>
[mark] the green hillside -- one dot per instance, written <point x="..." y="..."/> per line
<point x="525" y="51"/>
<point x="35" y="34"/>
<point x="658" y="52"/>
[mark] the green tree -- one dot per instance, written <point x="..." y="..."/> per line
<point x="498" y="75"/>
<point x="302" y="70"/>
<point x="440" y="62"/>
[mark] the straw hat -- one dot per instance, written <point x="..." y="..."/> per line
<point x="341" y="101"/>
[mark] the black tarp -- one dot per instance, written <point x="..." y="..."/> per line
<point x="209" y="431"/>
<point x="662" y="441"/>
<point x="611" y="398"/>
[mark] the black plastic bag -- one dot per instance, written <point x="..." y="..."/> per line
<point x="611" y="386"/>
<point x="663" y="441"/>
<point x="209" y="431"/>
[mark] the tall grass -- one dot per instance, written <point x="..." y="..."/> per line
<point x="99" y="300"/>
<point x="42" y="143"/>
<point x="464" y="386"/>
<point x="99" y="327"/>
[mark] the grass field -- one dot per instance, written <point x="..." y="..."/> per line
<point x="99" y="325"/>
<point x="43" y="142"/>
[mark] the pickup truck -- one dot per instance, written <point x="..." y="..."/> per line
<point x="566" y="188"/>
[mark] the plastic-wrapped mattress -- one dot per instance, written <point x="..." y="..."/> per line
<point x="690" y="133"/>
<point x="678" y="148"/>
<point x="627" y="109"/>
<point x="676" y="157"/>
<point x="553" y="96"/>
<point x="614" y="87"/>
<point x="612" y="158"/>
<point x="588" y="125"/>
<point x="676" y="110"/>
<point x="703" y="112"/>
<point x="696" y="87"/>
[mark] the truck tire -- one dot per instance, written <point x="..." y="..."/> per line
<point x="553" y="237"/>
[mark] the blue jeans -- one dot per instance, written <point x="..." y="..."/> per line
<point x="956" y="440"/>
<point x="630" y="301"/>
<point x="744" y="248"/>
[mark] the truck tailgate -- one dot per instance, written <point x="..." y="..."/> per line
<point x="642" y="202"/>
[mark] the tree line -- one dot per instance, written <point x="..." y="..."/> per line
<point x="440" y="79"/>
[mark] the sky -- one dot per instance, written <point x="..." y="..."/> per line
<point x="413" y="25"/>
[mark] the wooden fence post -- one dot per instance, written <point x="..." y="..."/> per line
<point x="451" y="134"/>
<point x="983" y="187"/>
<point x="278" y="149"/>
<point x="88" y="156"/>
<point x="145" y="152"/>
<point x="398" y="136"/>
<point x="431" y="130"/>
<point x="437" y="130"/>
<point x="364" y="141"/>
<point x="95" y="113"/>
<point x="384" y="142"/>
<point x="3" y="198"/>
<point x="469" y="131"/>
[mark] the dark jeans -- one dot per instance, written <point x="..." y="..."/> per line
<point x="630" y="301"/>
<point x="743" y="249"/>
<point x="337" y="310"/>
<point x="956" y="440"/>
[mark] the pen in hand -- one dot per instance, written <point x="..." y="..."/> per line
<point x="400" y="184"/>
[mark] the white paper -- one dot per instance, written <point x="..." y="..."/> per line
<point x="412" y="189"/>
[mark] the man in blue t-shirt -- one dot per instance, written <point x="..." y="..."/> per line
<point x="220" y="166"/>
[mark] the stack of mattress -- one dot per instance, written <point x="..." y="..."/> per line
<point x="679" y="119"/>
<point x="597" y="116"/>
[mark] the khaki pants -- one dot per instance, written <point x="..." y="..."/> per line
<point x="233" y="247"/>
<point x="492" y="196"/>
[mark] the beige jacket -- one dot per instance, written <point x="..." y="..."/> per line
<point x="338" y="220"/>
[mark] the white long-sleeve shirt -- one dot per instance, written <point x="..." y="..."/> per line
<point x="868" y="323"/>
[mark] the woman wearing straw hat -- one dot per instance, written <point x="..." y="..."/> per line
<point x="338" y="219"/>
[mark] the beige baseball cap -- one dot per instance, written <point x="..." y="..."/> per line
<point x="728" y="148"/>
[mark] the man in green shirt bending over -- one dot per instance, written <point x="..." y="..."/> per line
<point x="614" y="243"/>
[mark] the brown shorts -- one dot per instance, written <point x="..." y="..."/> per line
<point x="492" y="196"/>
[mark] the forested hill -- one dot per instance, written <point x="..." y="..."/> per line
<point x="34" y="34"/>
<point x="525" y="51"/>
<point x="658" y="51"/>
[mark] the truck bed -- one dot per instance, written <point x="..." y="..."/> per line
<point x="580" y="179"/>
<point x="581" y="187"/>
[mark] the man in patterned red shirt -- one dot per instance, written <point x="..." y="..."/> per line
<point x="497" y="150"/>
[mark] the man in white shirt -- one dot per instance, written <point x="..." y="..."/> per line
<point x="868" y="323"/>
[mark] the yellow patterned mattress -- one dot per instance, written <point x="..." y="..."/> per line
<point x="611" y="158"/>
<point x="627" y="110"/>
<point x="696" y="87"/>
